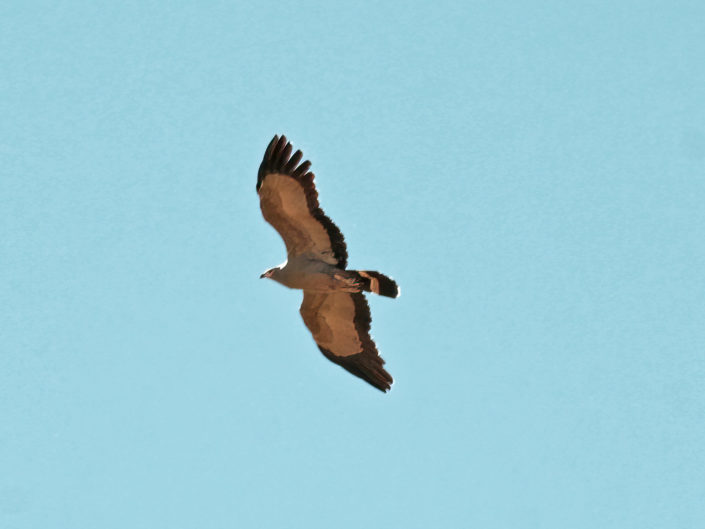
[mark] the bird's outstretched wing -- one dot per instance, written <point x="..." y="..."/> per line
<point x="340" y="325"/>
<point x="289" y="202"/>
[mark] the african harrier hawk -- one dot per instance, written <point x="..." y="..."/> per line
<point x="334" y="308"/>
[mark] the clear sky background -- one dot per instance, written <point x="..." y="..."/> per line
<point x="532" y="174"/>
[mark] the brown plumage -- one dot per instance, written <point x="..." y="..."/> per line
<point x="334" y="308"/>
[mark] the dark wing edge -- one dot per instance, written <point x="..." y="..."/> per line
<point x="278" y="159"/>
<point x="367" y="365"/>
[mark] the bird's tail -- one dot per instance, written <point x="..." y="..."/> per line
<point x="377" y="283"/>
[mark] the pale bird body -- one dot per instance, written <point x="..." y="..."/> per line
<point x="334" y="307"/>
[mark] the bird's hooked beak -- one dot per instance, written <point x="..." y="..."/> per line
<point x="263" y="275"/>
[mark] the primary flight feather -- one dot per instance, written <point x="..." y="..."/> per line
<point x="334" y="307"/>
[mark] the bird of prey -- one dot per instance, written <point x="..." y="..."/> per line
<point x="334" y="307"/>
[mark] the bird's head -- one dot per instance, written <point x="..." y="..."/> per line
<point x="269" y="273"/>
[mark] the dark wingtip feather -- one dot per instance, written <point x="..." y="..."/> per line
<point x="367" y="367"/>
<point x="293" y="162"/>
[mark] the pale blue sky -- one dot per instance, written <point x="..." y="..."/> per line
<point x="532" y="174"/>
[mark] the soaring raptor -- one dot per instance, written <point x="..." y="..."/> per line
<point x="334" y="307"/>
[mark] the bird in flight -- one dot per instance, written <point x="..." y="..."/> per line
<point x="334" y="307"/>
